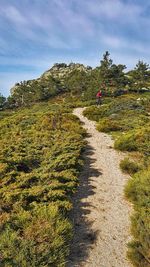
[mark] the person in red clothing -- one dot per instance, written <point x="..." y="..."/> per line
<point x="99" y="97"/>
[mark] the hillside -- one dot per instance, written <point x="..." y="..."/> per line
<point x="44" y="154"/>
<point x="51" y="83"/>
<point x="40" y="161"/>
<point x="127" y="119"/>
<point x="82" y="81"/>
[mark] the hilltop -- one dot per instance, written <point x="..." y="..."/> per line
<point x="59" y="72"/>
<point x="75" y="79"/>
<point x="62" y="70"/>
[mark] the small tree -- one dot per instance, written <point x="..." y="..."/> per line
<point x="140" y="75"/>
<point x="119" y="79"/>
<point x="76" y="81"/>
<point x="2" y="101"/>
<point x="105" y="68"/>
<point x="112" y="76"/>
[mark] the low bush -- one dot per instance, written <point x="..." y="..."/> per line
<point x="96" y="113"/>
<point x="119" y="105"/>
<point x="108" y="125"/>
<point x="40" y="159"/>
<point x="129" y="166"/>
<point x="138" y="191"/>
<point x="36" y="238"/>
<point x="135" y="140"/>
<point x="126" y="142"/>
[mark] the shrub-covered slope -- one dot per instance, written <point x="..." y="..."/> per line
<point x="127" y="118"/>
<point x="40" y="158"/>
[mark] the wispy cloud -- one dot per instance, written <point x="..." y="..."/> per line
<point x="36" y="34"/>
<point x="114" y="10"/>
<point x="13" y="15"/>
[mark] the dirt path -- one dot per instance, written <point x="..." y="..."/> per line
<point x="101" y="214"/>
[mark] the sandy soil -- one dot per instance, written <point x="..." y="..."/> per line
<point x="100" y="214"/>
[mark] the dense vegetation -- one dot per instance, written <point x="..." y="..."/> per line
<point x="40" y="159"/>
<point x="80" y="80"/>
<point x="127" y="118"/>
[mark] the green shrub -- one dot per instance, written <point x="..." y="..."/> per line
<point x="135" y="140"/>
<point x="126" y="142"/>
<point x="119" y="106"/>
<point x="129" y="167"/>
<point x="96" y="113"/>
<point x="40" y="240"/>
<point x="108" y="125"/>
<point x="138" y="191"/>
<point x="40" y="158"/>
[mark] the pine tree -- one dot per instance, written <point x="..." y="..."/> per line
<point x="2" y="101"/>
<point x="140" y="75"/>
<point x="105" y="68"/>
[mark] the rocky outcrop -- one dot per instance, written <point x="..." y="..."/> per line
<point x="59" y="71"/>
<point x="27" y="83"/>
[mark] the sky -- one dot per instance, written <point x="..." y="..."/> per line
<point x="35" y="34"/>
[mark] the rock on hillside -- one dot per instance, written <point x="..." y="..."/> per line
<point x="17" y="85"/>
<point x="59" y="71"/>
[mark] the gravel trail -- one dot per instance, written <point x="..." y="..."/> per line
<point x="101" y="213"/>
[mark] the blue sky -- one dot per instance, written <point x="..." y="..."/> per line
<point x="35" y="34"/>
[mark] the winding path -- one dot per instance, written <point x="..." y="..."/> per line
<point x="100" y="214"/>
